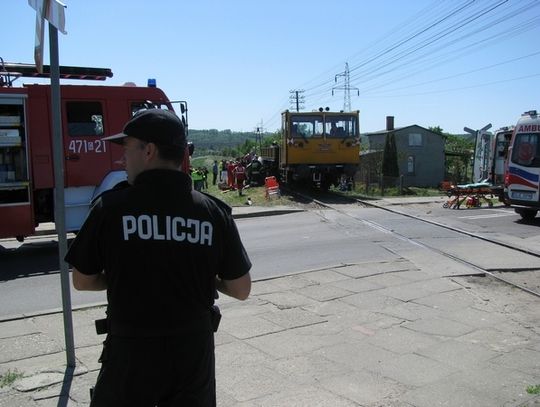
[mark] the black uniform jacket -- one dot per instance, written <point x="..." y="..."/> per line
<point x="161" y="244"/>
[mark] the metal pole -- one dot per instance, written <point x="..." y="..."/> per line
<point x="59" y="201"/>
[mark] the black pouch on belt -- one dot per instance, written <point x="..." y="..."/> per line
<point x="215" y="316"/>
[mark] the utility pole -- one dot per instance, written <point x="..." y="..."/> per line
<point x="297" y="99"/>
<point x="346" y="88"/>
<point x="259" y="131"/>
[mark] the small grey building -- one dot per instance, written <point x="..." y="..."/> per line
<point x="420" y="151"/>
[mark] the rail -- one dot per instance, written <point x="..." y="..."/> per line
<point x="479" y="270"/>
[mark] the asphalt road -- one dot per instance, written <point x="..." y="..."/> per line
<point x="284" y="244"/>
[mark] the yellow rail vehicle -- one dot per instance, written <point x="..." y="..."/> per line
<point x="318" y="147"/>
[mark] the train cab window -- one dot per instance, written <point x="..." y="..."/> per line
<point x="84" y="119"/>
<point x="345" y="127"/>
<point x="306" y="127"/>
<point x="526" y="150"/>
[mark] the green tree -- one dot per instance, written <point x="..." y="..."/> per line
<point x="390" y="166"/>
<point x="458" y="150"/>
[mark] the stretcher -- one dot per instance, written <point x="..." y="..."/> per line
<point x="472" y="195"/>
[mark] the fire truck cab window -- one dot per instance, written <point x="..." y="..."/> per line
<point x="137" y="106"/>
<point x="84" y="119"/>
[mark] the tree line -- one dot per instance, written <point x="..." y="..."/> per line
<point x="229" y="143"/>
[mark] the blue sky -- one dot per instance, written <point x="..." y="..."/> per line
<point x="448" y="63"/>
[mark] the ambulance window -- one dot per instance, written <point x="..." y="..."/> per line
<point x="526" y="150"/>
<point x="84" y="119"/>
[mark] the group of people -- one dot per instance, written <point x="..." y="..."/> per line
<point x="233" y="175"/>
<point x="229" y="174"/>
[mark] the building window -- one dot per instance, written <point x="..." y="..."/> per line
<point x="415" y="139"/>
<point x="410" y="165"/>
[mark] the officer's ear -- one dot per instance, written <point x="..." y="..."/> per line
<point x="151" y="151"/>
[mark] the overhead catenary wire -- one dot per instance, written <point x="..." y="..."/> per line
<point x="430" y="45"/>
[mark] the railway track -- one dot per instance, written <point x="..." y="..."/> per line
<point x="330" y="200"/>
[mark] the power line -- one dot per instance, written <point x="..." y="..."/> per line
<point x="417" y="48"/>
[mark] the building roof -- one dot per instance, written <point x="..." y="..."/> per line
<point x="374" y="133"/>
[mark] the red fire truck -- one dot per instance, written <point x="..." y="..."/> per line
<point x="91" y="166"/>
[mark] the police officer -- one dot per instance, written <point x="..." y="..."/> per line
<point x="160" y="249"/>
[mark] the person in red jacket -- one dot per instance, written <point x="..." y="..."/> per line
<point x="240" y="177"/>
<point x="230" y="174"/>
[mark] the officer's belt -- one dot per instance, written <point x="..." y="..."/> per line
<point x="202" y="323"/>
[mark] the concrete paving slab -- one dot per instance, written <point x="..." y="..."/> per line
<point x="363" y="387"/>
<point x="410" y="311"/>
<point x="475" y="317"/>
<point x="237" y="354"/>
<point x="496" y="339"/>
<point x="461" y="355"/>
<point x="258" y="381"/>
<point x="387" y="279"/>
<point x="295" y="342"/>
<point x="325" y="292"/>
<point x="293" y="318"/>
<point x="439" y="326"/>
<point x="287" y="299"/>
<point x="248" y="327"/>
<point x="304" y="397"/>
<point x="330" y="307"/>
<point x="503" y="385"/>
<point x="447" y="394"/>
<point x="406" y="292"/>
<point x="401" y="340"/>
<point x="356" y="285"/>
<point x="448" y="301"/>
<point x="23" y="347"/>
<point x="525" y="360"/>
<point x="326" y="276"/>
<point x="378" y="267"/>
<point x="359" y="356"/>
<point x="16" y="399"/>
<point x="371" y="300"/>
<point x="414" y="370"/>
<point x="20" y="327"/>
<point x="309" y="369"/>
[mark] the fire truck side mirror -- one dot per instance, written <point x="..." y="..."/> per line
<point x="191" y="148"/>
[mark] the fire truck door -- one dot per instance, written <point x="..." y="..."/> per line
<point x="87" y="157"/>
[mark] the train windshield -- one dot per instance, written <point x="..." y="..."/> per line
<point x="306" y="126"/>
<point x="526" y="150"/>
<point x="341" y="127"/>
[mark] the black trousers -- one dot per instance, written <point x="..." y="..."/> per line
<point x="172" y="371"/>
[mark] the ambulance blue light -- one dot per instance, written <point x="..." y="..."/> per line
<point x="151" y="83"/>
